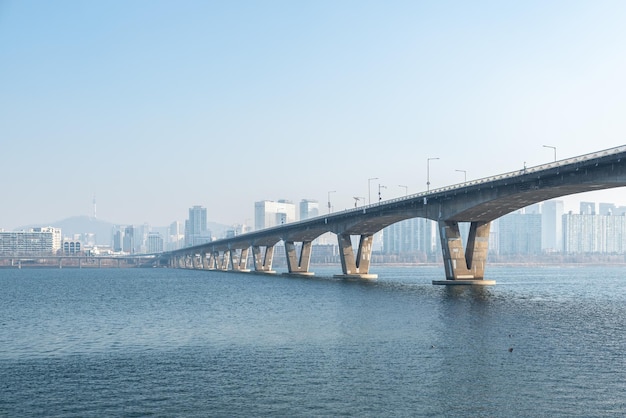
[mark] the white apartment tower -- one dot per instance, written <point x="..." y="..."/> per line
<point x="552" y="226"/>
<point x="268" y="213"/>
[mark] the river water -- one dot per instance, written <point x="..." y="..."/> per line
<point x="544" y="341"/>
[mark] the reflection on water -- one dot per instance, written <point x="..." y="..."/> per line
<point x="542" y="342"/>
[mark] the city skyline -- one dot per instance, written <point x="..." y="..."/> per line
<point x="154" y="110"/>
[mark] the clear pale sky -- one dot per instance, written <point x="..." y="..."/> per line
<point x="156" y="106"/>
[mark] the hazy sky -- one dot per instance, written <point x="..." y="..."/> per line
<point x="156" y="106"/>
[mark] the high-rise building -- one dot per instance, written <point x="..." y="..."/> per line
<point x="587" y="208"/>
<point x="309" y="209"/>
<point x="520" y="234"/>
<point x="607" y="209"/>
<point x="128" y="242"/>
<point x="268" y="213"/>
<point x="552" y="226"/>
<point x="196" y="223"/>
<point x="579" y="233"/>
<point x="196" y="231"/>
<point x="47" y="240"/>
<point x="117" y="238"/>
<point x="595" y="234"/>
<point x="175" y="237"/>
<point x="154" y="243"/>
<point x="411" y="236"/>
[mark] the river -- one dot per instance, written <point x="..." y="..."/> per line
<point x="545" y="341"/>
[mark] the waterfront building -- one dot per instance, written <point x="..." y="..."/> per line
<point x="268" y="213"/>
<point x="309" y="209"/>
<point x="46" y="240"/>
<point x="71" y="247"/>
<point x="411" y="236"/>
<point x="57" y="237"/>
<point x="175" y="236"/>
<point x="552" y="226"/>
<point x="196" y="231"/>
<point x="594" y="234"/>
<point x="128" y="242"/>
<point x="520" y="233"/>
<point x="117" y="238"/>
<point x="154" y="243"/>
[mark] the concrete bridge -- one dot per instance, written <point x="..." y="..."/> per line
<point x="478" y="202"/>
<point x="77" y="261"/>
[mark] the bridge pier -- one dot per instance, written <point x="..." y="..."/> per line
<point x="239" y="259"/>
<point x="464" y="267"/>
<point x="204" y="264"/>
<point x="212" y="261"/>
<point x="355" y="267"/>
<point x="298" y="266"/>
<point x="196" y="261"/>
<point x="223" y="261"/>
<point x="263" y="259"/>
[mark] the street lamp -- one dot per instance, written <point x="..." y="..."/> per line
<point x="428" y="160"/>
<point x="369" y="188"/>
<point x="357" y="199"/>
<point x="332" y="191"/>
<point x="553" y="148"/>
<point x="406" y="189"/>
<point x="380" y="187"/>
<point x="464" y="174"/>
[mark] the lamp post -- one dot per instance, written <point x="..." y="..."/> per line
<point x="464" y="175"/>
<point x="428" y="160"/>
<point x="369" y="190"/>
<point x="406" y="189"/>
<point x="553" y="148"/>
<point x="357" y="199"/>
<point x="332" y="191"/>
<point x="379" y="195"/>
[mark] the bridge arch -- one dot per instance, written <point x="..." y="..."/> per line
<point x="478" y="202"/>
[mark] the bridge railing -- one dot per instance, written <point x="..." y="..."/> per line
<point x="510" y="174"/>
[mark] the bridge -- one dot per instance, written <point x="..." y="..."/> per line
<point x="76" y="261"/>
<point x="477" y="202"/>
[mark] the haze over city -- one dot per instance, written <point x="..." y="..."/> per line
<point x="154" y="107"/>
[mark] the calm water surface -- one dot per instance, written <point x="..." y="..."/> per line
<point x="134" y="342"/>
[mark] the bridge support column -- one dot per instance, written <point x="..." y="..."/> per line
<point x="204" y="262"/>
<point x="263" y="260"/>
<point x="196" y="261"/>
<point x="298" y="266"/>
<point x="355" y="267"/>
<point x="213" y="260"/>
<point x="464" y="267"/>
<point x="224" y="262"/>
<point x="239" y="259"/>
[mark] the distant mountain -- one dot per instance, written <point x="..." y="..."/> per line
<point x="81" y="225"/>
<point x="102" y="229"/>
